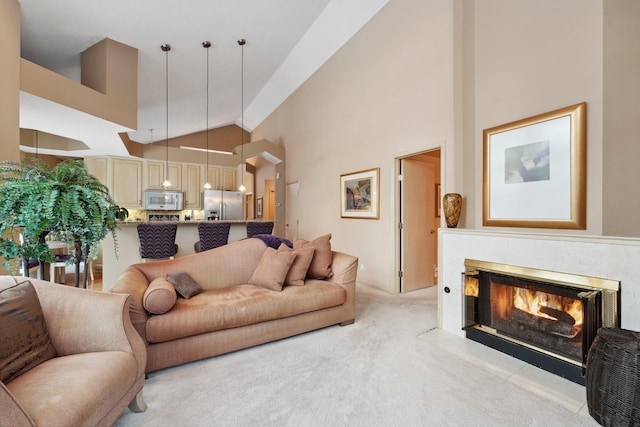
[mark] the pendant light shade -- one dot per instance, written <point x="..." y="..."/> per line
<point x="207" y="186"/>
<point x="242" y="42"/>
<point x="166" y="48"/>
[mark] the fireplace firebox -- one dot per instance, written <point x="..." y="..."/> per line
<point x="545" y="318"/>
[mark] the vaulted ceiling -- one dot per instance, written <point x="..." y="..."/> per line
<point x="287" y="41"/>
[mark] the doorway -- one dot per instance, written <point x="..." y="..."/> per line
<point x="419" y="219"/>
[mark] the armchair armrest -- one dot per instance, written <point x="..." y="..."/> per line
<point x="134" y="282"/>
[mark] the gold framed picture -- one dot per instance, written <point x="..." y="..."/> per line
<point x="359" y="194"/>
<point x="534" y="171"/>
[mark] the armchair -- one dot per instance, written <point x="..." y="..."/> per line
<point x="98" y="368"/>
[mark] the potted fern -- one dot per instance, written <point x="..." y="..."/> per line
<point x="36" y="199"/>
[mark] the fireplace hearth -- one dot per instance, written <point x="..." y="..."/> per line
<point x="545" y="318"/>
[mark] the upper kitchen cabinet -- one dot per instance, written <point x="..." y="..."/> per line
<point x="154" y="175"/>
<point x="228" y="179"/>
<point x="123" y="177"/>
<point x="192" y="186"/>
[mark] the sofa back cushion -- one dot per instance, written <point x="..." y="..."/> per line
<point x="228" y="265"/>
<point x="23" y="331"/>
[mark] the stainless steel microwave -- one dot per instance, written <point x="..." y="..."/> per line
<point x="160" y="200"/>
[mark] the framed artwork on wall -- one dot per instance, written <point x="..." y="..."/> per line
<point x="259" y="203"/>
<point x="359" y="194"/>
<point x="534" y="171"/>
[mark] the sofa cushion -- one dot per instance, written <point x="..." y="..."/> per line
<point x="23" y="334"/>
<point x="320" y="267"/>
<point x="300" y="266"/>
<point x="272" y="269"/>
<point x="75" y="390"/>
<point x="241" y="305"/>
<point x="160" y="296"/>
<point x="184" y="284"/>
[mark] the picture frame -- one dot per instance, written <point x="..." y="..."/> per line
<point x="359" y="194"/>
<point x="259" y="203"/>
<point x="534" y="171"/>
<point x="438" y="201"/>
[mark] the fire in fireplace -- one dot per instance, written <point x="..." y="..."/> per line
<point x="548" y="319"/>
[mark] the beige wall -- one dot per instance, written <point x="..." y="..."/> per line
<point x="530" y="58"/>
<point x="436" y="73"/>
<point x="115" y="71"/>
<point x="9" y="80"/>
<point x="621" y="131"/>
<point x="386" y="93"/>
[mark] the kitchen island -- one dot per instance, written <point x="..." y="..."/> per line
<point x="129" y="245"/>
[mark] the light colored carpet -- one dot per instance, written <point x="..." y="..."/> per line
<point x="392" y="367"/>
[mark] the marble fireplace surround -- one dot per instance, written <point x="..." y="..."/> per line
<point x="604" y="257"/>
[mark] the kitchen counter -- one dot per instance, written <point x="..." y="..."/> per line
<point x="129" y="245"/>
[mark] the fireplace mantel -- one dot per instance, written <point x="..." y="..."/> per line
<point x="605" y="257"/>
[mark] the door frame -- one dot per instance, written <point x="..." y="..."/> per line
<point x="398" y="205"/>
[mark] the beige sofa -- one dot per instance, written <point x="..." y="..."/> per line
<point x="94" y="370"/>
<point x="231" y="314"/>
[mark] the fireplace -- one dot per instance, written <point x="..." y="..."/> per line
<point x="545" y="318"/>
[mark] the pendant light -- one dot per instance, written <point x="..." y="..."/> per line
<point x="166" y="48"/>
<point x="242" y="42"/>
<point x="207" y="186"/>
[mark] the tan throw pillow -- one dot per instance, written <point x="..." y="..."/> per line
<point x="24" y="339"/>
<point x="184" y="284"/>
<point x="320" y="267"/>
<point x="272" y="269"/>
<point x="160" y="296"/>
<point x="298" y="270"/>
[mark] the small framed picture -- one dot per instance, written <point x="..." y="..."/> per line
<point x="359" y="194"/>
<point x="259" y="202"/>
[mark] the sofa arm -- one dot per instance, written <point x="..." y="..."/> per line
<point x="84" y="321"/>
<point x="345" y="268"/>
<point x="134" y="282"/>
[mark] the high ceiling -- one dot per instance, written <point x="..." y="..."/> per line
<point x="287" y="40"/>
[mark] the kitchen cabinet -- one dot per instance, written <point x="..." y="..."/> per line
<point x="192" y="186"/>
<point x="126" y="184"/>
<point x="154" y="175"/>
<point x="228" y="179"/>
<point x="214" y="176"/>
<point x="121" y="175"/>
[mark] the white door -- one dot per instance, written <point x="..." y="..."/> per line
<point x="418" y="234"/>
<point x="292" y="211"/>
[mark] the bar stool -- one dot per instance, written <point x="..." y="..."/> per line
<point x="212" y="235"/>
<point x="157" y="241"/>
<point x="259" y="227"/>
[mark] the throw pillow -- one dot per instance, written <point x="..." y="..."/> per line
<point x="320" y="267"/>
<point x="300" y="266"/>
<point x="184" y="284"/>
<point x="160" y="296"/>
<point x="272" y="269"/>
<point x="23" y="334"/>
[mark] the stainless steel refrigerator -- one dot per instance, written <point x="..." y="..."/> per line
<point x="222" y="205"/>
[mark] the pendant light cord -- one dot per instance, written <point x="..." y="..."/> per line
<point x="166" y="48"/>
<point x="166" y="169"/>
<point x="207" y="121"/>
<point x="242" y="42"/>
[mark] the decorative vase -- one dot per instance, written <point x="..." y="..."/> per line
<point x="452" y="206"/>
